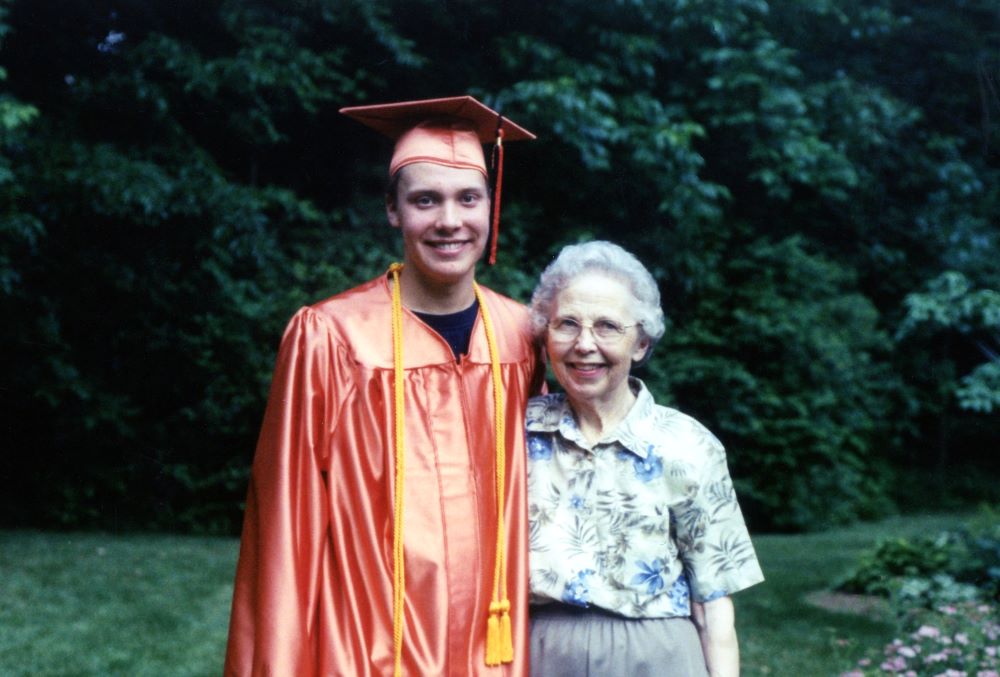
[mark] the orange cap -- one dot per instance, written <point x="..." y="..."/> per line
<point x="448" y="131"/>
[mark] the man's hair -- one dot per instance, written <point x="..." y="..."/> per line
<point x="609" y="259"/>
<point x="392" y="188"/>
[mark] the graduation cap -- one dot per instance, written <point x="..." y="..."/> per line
<point x="448" y="131"/>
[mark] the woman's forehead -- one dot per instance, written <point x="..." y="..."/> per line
<point x="596" y="294"/>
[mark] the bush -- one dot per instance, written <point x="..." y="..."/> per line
<point x="930" y="571"/>
<point x="984" y="546"/>
<point x="894" y="560"/>
<point x="933" y="592"/>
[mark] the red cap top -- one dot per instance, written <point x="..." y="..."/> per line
<point x="448" y="131"/>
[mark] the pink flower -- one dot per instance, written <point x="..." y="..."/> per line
<point x="894" y="664"/>
<point x="865" y="662"/>
<point x="991" y="651"/>
<point x="907" y="651"/>
<point x="927" y="631"/>
<point x="948" y="609"/>
<point x="962" y="638"/>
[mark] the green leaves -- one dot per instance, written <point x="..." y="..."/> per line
<point x="813" y="185"/>
<point x="951" y="304"/>
<point x="790" y="354"/>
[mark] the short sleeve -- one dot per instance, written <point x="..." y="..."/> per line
<point x="712" y="538"/>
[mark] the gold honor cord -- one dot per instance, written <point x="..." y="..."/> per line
<point x="398" y="575"/>
<point x="499" y="644"/>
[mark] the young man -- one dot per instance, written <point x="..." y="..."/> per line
<point x="385" y="528"/>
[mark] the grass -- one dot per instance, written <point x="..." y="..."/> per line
<point x="99" y="604"/>
<point x="95" y="604"/>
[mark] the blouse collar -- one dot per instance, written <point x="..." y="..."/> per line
<point x="632" y="432"/>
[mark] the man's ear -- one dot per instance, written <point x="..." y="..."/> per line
<point x="391" y="210"/>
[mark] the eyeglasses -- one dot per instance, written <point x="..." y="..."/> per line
<point x="604" y="331"/>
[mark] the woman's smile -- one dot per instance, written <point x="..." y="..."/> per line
<point x="594" y="371"/>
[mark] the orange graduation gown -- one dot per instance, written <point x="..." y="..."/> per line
<point x="313" y="591"/>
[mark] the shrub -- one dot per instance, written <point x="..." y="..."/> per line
<point x="984" y="549"/>
<point x="893" y="560"/>
<point x="933" y="592"/>
<point x="927" y="572"/>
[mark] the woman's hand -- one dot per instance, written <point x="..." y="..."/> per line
<point x="716" y="623"/>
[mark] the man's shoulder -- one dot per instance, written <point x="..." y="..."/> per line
<point x="346" y="317"/>
<point x="366" y="297"/>
<point x="507" y="309"/>
<point x="502" y="299"/>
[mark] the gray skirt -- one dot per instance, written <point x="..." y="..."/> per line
<point x="568" y="641"/>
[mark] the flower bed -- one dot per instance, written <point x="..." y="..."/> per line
<point x="961" y="640"/>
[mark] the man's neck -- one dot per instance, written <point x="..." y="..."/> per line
<point x="419" y="294"/>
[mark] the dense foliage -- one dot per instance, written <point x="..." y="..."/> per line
<point x="814" y="185"/>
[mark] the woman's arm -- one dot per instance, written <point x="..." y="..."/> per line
<point x="716" y="623"/>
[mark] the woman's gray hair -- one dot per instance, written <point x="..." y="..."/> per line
<point x="607" y="258"/>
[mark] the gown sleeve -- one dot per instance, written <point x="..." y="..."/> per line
<point x="276" y="592"/>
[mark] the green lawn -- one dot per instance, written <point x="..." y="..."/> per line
<point x="98" y="604"/>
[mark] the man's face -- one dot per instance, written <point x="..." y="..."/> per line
<point x="443" y="213"/>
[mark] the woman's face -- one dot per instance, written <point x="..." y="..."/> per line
<point x="593" y="366"/>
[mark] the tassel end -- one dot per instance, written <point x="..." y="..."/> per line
<point x="506" y="640"/>
<point x="499" y="644"/>
<point x="493" y="641"/>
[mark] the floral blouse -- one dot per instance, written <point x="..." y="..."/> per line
<point x="638" y="523"/>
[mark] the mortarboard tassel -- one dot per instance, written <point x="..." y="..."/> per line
<point x="497" y="161"/>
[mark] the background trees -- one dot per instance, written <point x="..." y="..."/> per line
<point x="815" y="187"/>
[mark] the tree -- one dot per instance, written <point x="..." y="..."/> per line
<point x="950" y="304"/>
<point x="184" y="188"/>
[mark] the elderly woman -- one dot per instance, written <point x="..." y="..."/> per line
<point x="637" y="540"/>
